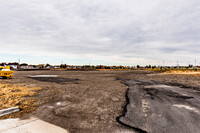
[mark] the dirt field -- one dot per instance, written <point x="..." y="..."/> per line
<point x="89" y="101"/>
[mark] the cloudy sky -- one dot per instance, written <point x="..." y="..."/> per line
<point x="110" y="32"/>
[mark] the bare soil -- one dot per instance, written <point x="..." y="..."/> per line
<point x="90" y="101"/>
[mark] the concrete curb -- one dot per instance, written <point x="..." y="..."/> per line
<point x="32" y="125"/>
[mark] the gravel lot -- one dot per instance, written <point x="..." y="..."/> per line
<point x="79" y="101"/>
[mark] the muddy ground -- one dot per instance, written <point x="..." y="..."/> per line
<point x="90" y="101"/>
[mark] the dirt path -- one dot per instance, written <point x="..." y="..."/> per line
<point x="79" y="101"/>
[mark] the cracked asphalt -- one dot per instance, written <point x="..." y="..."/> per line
<point x="158" y="108"/>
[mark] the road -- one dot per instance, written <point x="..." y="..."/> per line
<point x="155" y="107"/>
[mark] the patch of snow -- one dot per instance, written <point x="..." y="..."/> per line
<point x="58" y="103"/>
<point x="51" y="107"/>
<point x="158" y="86"/>
<point x="145" y="107"/>
<point x="186" y="107"/>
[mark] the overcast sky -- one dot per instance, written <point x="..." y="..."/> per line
<point x="110" y="32"/>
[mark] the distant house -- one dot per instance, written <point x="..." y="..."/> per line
<point x="31" y="67"/>
<point x="48" y="66"/>
<point x="3" y="64"/>
<point x="41" y="65"/>
<point x="56" y="67"/>
<point x="13" y="65"/>
<point x="23" y="66"/>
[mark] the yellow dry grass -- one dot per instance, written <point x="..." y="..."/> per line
<point x="182" y="72"/>
<point x="17" y="95"/>
<point x="111" y="69"/>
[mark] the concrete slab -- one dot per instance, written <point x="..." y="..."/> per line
<point x="32" y="125"/>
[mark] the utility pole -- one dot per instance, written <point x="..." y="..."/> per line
<point x="177" y="64"/>
<point x="163" y="63"/>
<point x="18" y="67"/>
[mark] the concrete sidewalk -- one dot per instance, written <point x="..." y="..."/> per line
<point x="32" y="125"/>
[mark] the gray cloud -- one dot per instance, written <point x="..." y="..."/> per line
<point x="125" y="31"/>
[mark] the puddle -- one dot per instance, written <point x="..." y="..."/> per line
<point x="63" y="103"/>
<point x="53" y="78"/>
<point x="43" y="76"/>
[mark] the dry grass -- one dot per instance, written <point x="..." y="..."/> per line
<point x="17" y="95"/>
<point x="58" y="69"/>
<point x="182" y="72"/>
<point x="111" y="69"/>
